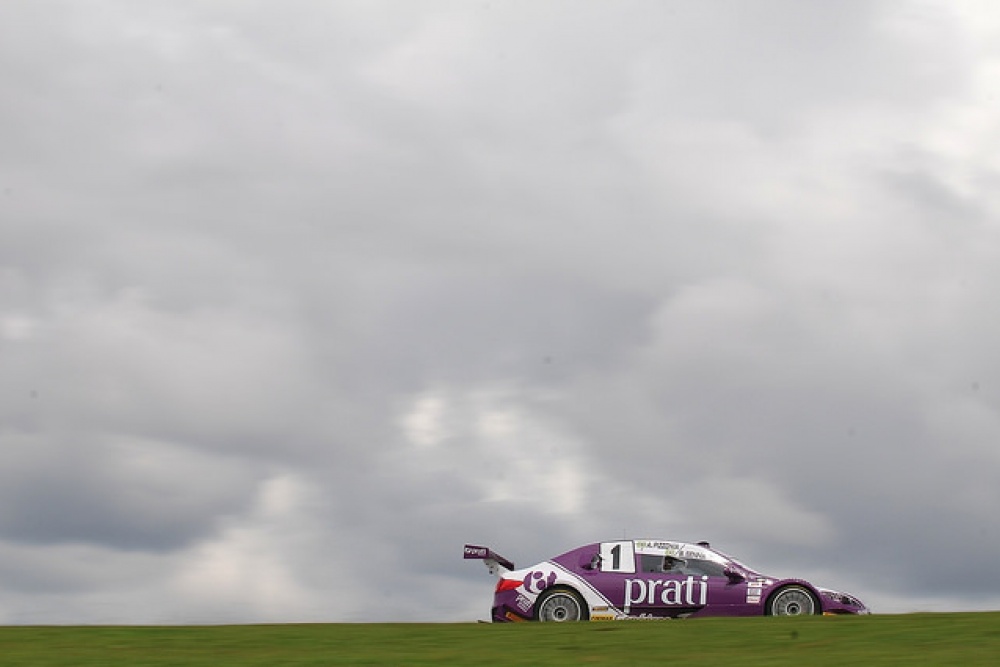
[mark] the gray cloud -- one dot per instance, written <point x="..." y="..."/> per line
<point x="293" y="303"/>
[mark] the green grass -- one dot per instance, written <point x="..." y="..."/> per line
<point x="913" y="639"/>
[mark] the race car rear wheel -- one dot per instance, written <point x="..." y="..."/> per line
<point x="792" y="601"/>
<point x="560" y="605"/>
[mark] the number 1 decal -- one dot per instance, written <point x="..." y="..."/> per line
<point x="617" y="557"/>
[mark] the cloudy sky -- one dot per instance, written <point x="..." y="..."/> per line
<point x="296" y="298"/>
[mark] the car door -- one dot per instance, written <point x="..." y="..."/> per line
<point x="671" y="587"/>
<point x="724" y="595"/>
<point x="637" y="585"/>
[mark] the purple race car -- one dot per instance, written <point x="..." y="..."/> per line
<point x="648" y="579"/>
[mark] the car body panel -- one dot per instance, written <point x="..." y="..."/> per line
<point x="646" y="579"/>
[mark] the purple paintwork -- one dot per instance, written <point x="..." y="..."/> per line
<point x="648" y="579"/>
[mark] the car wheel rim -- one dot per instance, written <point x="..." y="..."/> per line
<point x="793" y="602"/>
<point x="560" y="608"/>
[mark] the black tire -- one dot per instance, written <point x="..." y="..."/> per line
<point x="792" y="601"/>
<point x="561" y="605"/>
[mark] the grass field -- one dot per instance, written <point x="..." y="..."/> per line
<point x="913" y="639"/>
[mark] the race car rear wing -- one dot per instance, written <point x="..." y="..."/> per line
<point x="494" y="562"/>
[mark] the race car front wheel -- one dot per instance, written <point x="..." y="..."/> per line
<point x="560" y="605"/>
<point x="792" y="601"/>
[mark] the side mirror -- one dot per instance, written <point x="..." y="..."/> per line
<point x="733" y="575"/>
<point x="592" y="563"/>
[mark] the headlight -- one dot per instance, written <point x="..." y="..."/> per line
<point x="841" y="598"/>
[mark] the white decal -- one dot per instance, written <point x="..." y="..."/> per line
<point x="617" y="557"/>
<point x="671" y="591"/>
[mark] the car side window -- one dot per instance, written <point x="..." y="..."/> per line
<point x="650" y="563"/>
<point x="699" y="567"/>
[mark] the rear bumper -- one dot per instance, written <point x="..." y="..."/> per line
<point x="511" y="607"/>
<point x="505" y="615"/>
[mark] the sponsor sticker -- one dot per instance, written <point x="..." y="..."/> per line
<point x="537" y="581"/>
<point x="658" y="592"/>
